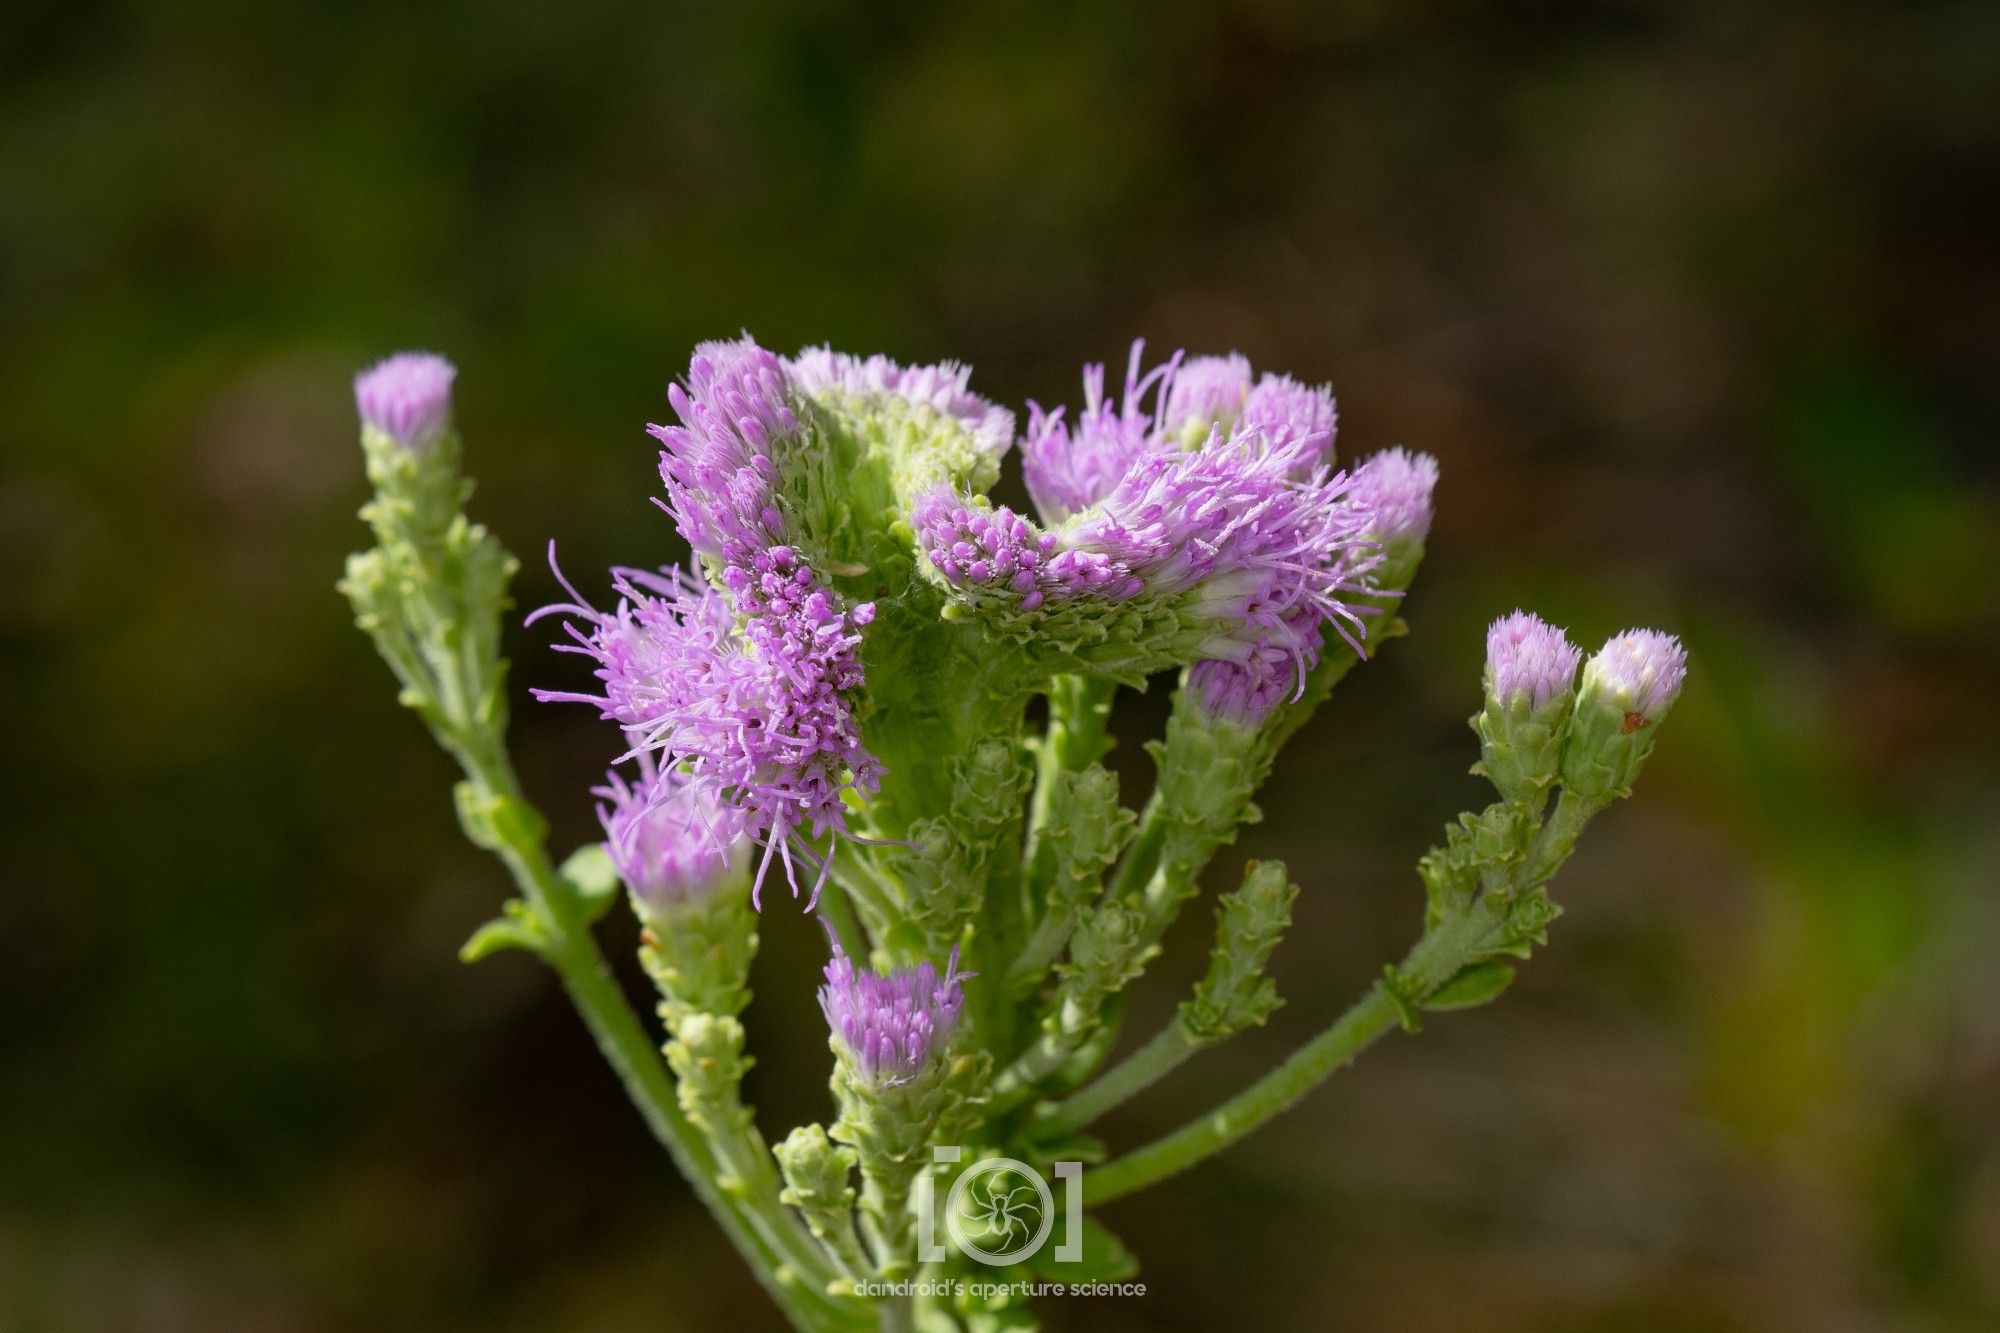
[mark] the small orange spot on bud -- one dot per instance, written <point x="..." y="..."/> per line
<point x="1634" y="721"/>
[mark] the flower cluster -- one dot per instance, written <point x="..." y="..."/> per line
<point x="891" y="1026"/>
<point x="1205" y="489"/>
<point x="1196" y="522"/>
<point x="745" y="689"/>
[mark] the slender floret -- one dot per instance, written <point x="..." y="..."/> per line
<point x="1529" y="662"/>
<point x="672" y="842"/>
<point x="1070" y="467"/>
<point x="407" y="397"/>
<point x="889" y="1027"/>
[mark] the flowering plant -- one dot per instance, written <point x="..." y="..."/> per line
<point x="834" y="700"/>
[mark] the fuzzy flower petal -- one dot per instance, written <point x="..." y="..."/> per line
<point x="671" y="840"/>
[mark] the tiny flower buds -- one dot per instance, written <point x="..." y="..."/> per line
<point x="406" y="397"/>
<point x="1530" y="671"/>
<point x="1628" y="686"/>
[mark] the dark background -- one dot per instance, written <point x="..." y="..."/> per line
<point x="1696" y="303"/>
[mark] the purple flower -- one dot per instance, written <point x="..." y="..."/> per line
<point x="1529" y="662"/>
<point x="1294" y="417"/>
<point x="890" y="1027"/>
<point x="1071" y="467"/>
<point x="1205" y="392"/>
<point x="1244" y="692"/>
<point x="671" y="840"/>
<point x="943" y="388"/>
<point x="1638" y="672"/>
<point x="407" y="397"/>
<point x="1230" y="531"/>
<point x="1396" y="487"/>
<point x="744" y="696"/>
<point x="719" y="463"/>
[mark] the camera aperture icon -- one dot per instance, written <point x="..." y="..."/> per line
<point x="999" y="1211"/>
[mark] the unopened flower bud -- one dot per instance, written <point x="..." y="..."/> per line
<point x="1530" y="675"/>
<point x="673" y="843"/>
<point x="407" y="397"/>
<point x="1627" y="687"/>
<point x="889" y="1028"/>
<point x="1396" y="486"/>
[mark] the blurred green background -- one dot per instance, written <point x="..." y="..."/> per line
<point x="1697" y="304"/>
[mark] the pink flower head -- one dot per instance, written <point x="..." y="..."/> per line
<point x="745" y="696"/>
<point x="671" y="840"/>
<point x="1529" y="662"/>
<point x="891" y="1026"/>
<point x="719" y="463"/>
<point x="1070" y="467"/>
<point x="407" y="397"/>
<point x="1637" y="672"/>
<point x="1396" y="487"/>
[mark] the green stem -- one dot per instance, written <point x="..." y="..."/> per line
<point x="1130" y="1076"/>
<point x="1437" y="957"/>
<point x="1079" y="713"/>
<point x="570" y="949"/>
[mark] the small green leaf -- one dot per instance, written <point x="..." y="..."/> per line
<point x="590" y="872"/>
<point x="515" y="929"/>
<point x="1475" y="984"/>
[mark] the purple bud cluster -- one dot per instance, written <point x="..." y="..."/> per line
<point x="891" y="1026"/>
<point x="744" y="692"/>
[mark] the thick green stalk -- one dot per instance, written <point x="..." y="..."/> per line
<point x="1129" y="1077"/>
<point x="1079" y="714"/>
